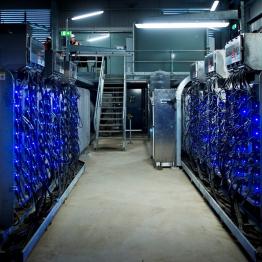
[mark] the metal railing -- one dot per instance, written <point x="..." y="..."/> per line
<point x="124" y="106"/>
<point x="99" y="97"/>
<point x="138" y="61"/>
<point x="167" y="60"/>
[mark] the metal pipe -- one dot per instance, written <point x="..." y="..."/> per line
<point x="242" y="19"/>
<point x="67" y="41"/>
<point x="167" y="61"/>
<point x="130" y="130"/>
<point x="124" y="107"/>
<point x="179" y="93"/>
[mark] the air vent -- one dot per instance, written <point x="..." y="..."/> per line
<point x="39" y="19"/>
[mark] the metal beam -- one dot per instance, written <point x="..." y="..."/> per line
<point x="101" y="51"/>
<point x="245" y="243"/>
<point x="217" y="15"/>
<point x="47" y="221"/>
<point x="76" y="29"/>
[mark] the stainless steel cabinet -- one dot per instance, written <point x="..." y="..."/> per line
<point x="163" y="133"/>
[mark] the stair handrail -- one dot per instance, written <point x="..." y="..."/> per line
<point x="124" y="106"/>
<point x="99" y="96"/>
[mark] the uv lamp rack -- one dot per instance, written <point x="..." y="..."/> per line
<point x="222" y="136"/>
<point x="38" y="143"/>
<point x="39" y="146"/>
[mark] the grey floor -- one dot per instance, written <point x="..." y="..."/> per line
<point x="124" y="210"/>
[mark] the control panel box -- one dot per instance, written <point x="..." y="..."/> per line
<point x="215" y="63"/>
<point x="245" y="50"/>
<point x="234" y="51"/>
<point x="197" y="71"/>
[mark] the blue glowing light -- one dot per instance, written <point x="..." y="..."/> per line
<point x="40" y="120"/>
<point x="225" y="136"/>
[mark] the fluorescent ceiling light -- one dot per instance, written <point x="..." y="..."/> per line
<point x="182" y="25"/>
<point x="87" y="15"/>
<point x="178" y="11"/>
<point x="97" y="38"/>
<point x="214" y="6"/>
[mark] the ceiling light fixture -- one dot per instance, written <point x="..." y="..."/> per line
<point x="185" y="25"/>
<point x="214" y="6"/>
<point x="87" y="15"/>
<point x="179" y="11"/>
<point x="97" y="38"/>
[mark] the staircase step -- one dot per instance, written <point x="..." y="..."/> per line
<point x="118" y="125"/>
<point x="112" y="93"/>
<point x="114" y="77"/>
<point x="110" y="128"/>
<point x="113" y="87"/>
<point x="110" y="119"/>
<point x="110" y="131"/>
<point x="116" y="81"/>
<point x="112" y="137"/>
<point x="113" y="97"/>
<point x="116" y="94"/>
<point x="112" y="102"/>
<point x="112" y="107"/>
<point x="112" y="113"/>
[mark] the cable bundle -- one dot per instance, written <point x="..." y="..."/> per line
<point x="222" y="136"/>
<point x="46" y="138"/>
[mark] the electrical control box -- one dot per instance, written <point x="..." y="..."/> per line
<point x="234" y="51"/>
<point x="215" y="63"/>
<point x="244" y="50"/>
<point x="17" y="47"/>
<point x="197" y="71"/>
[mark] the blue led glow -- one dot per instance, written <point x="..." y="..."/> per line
<point x="222" y="132"/>
<point x="43" y="116"/>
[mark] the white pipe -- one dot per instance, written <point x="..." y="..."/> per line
<point x="179" y="93"/>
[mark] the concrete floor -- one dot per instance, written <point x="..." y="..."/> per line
<point x="124" y="210"/>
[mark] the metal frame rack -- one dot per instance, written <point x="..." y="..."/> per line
<point x="223" y="161"/>
<point x="39" y="147"/>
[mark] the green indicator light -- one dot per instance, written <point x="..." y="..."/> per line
<point x="66" y="33"/>
<point x="234" y="26"/>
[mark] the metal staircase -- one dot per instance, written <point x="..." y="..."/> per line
<point x="110" y="112"/>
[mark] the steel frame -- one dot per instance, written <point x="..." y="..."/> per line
<point x="244" y="242"/>
<point x="47" y="221"/>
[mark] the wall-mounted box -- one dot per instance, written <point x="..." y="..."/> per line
<point x="215" y="64"/>
<point x="197" y="71"/>
<point x="245" y="50"/>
